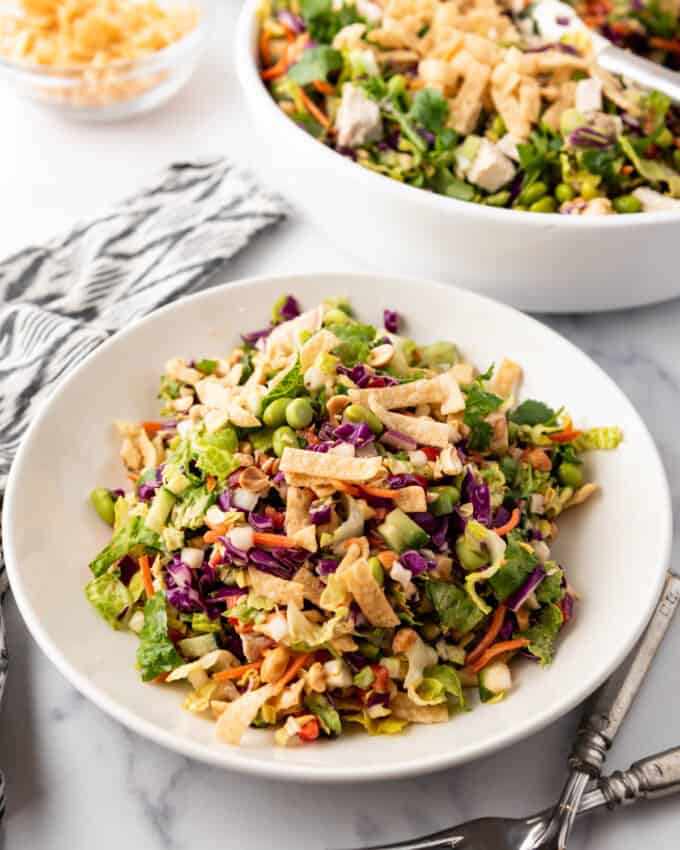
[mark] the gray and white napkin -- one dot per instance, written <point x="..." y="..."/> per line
<point x="60" y="300"/>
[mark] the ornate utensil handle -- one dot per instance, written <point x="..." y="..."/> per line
<point x="603" y="720"/>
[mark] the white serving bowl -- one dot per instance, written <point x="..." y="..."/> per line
<point x="545" y="263"/>
<point x="615" y="547"/>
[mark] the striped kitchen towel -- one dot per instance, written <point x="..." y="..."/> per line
<point x="60" y="300"/>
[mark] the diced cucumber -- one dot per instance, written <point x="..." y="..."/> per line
<point x="446" y="501"/>
<point x="494" y="681"/>
<point x="196" y="647"/>
<point x="401" y="533"/>
<point x="160" y="509"/>
<point x="174" y="479"/>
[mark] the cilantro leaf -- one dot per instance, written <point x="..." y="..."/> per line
<point x="478" y="404"/>
<point x="324" y="22"/>
<point x="543" y="634"/>
<point x="518" y="565"/>
<point x="316" y="64"/>
<point x="550" y="589"/>
<point x="454" y="607"/>
<point x="156" y="653"/>
<point x="532" y="412"/>
<point x="135" y="533"/>
<point x="355" y="340"/>
<point x="430" y="109"/>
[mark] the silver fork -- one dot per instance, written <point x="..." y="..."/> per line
<point x="648" y="778"/>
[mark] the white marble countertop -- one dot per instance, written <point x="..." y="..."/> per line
<point x="76" y="779"/>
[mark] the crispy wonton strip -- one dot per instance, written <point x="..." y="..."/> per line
<point x="369" y="595"/>
<point x="297" y="509"/>
<point x="505" y="382"/>
<point x="329" y="466"/>
<point x="424" y="431"/>
<point x="238" y="715"/>
<point x="279" y="590"/>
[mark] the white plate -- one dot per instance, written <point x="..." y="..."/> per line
<point x="543" y="263"/>
<point x="615" y="548"/>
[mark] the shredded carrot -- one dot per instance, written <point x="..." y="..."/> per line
<point x="265" y="47"/>
<point x="161" y="677"/>
<point x="146" y="575"/>
<point x="277" y="70"/>
<point x="212" y="536"/>
<point x="210" y="483"/>
<point x="293" y="669"/>
<point x="387" y="558"/>
<point x="497" y="649"/>
<point x="323" y="87"/>
<point x="243" y="628"/>
<point x="495" y="626"/>
<point x="565" y="436"/>
<point x="152" y="427"/>
<point x="670" y="44"/>
<point x="236" y="672"/>
<point x="314" y="110"/>
<point x="343" y="487"/>
<point x="381" y="492"/>
<point x="416" y="84"/>
<point x="274" y="541"/>
<point x="510" y="524"/>
<point x="133" y="476"/>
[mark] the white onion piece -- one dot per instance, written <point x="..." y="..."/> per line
<point x="344" y="450"/>
<point x="244" y="500"/>
<point x="401" y="574"/>
<point x="242" y="537"/>
<point x="192" y="557"/>
<point x="417" y="458"/>
<point x="214" y="516"/>
<point x="185" y="427"/>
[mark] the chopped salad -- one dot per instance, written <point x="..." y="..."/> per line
<point x="335" y="527"/>
<point x="650" y="28"/>
<point x="465" y="99"/>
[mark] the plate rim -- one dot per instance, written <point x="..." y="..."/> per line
<point x="238" y="759"/>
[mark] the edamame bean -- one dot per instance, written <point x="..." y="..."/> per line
<point x="102" y="502"/>
<point x="570" y="475"/>
<point x="359" y="413"/>
<point x="335" y="316"/>
<point x="500" y="199"/>
<point x="469" y="558"/>
<point x="532" y="193"/>
<point x="564" y="192"/>
<point x="283" y="437"/>
<point x="498" y="126"/>
<point x="676" y="157"/>
<point x="299" y="413"/>
<point x="431" y="631"/>
<point x="627" y="204"/>
<point x="397" y="85"/>
<point x="377" y="570"/>
<point x="368" y="650"/>
<point x="545" y="204"/>
<point x="275" y="413"/>
<point x="589" y="190"/>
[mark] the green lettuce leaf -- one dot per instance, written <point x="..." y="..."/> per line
<point x="133" y="533"/>
<point x="543" y="634"/>
<point x="550" y="589"/>
<point x="214" y="452"/>
<point x="109" y="596"/>
<point x="190" y="512"/>
<point x="454" y="607"/>
<point x="156" y="653"/>
<point x="598" y="438"/>
<point x="329" y="719"/>
<point x="518" y="565"/>
<point x="447" y="677"/>
<point x="289" y="386"/>
<point x="652" y="169"/>
<point x="381" y="726"/>
<point x="430" y="109"/>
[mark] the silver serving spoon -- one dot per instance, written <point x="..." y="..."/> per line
<point x="555" y="19"/>
<point x="648" y="778"/>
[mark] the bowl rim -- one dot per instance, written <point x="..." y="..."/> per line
<point x="66" y="75"/>
<point x="235" y="758"/>
<point x="251" y="83"/>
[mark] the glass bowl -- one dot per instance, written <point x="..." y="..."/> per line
<point x="115" y="90"/>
